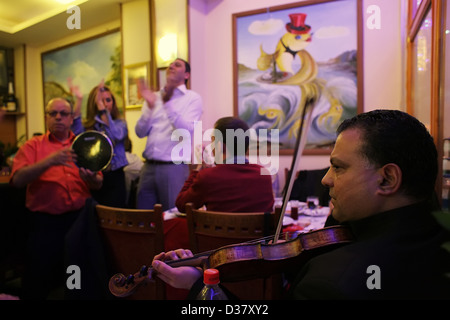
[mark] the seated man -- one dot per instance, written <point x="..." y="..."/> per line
<point x="381" y="180"/>
<point x="233" y="186"/>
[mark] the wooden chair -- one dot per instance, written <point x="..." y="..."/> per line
<point x="132" y="238"/>
<point x="209" y="230"/>
<point x="309" y="183"/>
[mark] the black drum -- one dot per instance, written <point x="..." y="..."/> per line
<point x="94" y="150"/>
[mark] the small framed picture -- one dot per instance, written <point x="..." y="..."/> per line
<point x="161" y="77"/>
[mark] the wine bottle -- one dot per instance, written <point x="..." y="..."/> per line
<point x="11" y="100"/>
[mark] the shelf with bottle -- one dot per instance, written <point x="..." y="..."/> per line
<point x="10" y="101"/>
<point x="14" y="113"/>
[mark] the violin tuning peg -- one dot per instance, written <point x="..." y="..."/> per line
<point x="144" y="271"/>
<point x="130" y="279"/>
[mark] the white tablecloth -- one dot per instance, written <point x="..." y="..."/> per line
<point x="308" y="219"/>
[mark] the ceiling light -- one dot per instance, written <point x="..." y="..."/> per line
<point x="167" y="47"/>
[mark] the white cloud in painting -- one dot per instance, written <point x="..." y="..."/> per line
<point x="265" y="27"/>
<point x="84" y="75"/>
<point x="331" y="32"/>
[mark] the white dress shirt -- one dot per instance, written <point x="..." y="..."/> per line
<point x="157" y="124"/>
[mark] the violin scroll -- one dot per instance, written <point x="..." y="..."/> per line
<point x="123" y="286"/>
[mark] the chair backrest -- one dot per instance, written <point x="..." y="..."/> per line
<point x="209" y="230"/>
<point x="132" y="238"/>
<point x="309" y="183"/>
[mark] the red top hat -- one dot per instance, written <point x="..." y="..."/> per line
<point x="297" y="24"/>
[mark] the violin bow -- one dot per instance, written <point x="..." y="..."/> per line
<point x="299" y="147"/>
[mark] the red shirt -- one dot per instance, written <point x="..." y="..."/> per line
<point x="59" y="189"/>
<point x="228" y="188"/>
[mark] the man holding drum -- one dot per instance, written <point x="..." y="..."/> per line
<point x="56" y="192"/>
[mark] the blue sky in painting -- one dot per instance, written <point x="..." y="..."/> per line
<point x="333" y="25"/>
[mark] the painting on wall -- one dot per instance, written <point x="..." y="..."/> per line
<point x="290" y="54"/>
<point x="85" y="64"/>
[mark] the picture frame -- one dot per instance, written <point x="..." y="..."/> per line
<point x="85" y="63"/>
<point x="3" y="72"/>
<point x="161" y="77"/>
<point x="322" y="60"/>
<point x="132" y="73"/>
<point x="421" y="101"/>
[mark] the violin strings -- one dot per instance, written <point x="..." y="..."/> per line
<point x="283" y="234"/>
<point x="252" y="241"/>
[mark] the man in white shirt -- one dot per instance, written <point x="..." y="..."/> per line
<point x="174" y="107"/>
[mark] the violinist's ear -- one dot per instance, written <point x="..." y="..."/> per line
<point x="390" y="179"/>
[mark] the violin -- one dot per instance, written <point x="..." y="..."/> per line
<point x="254" y="260"/>
<point x="246" y="261"/>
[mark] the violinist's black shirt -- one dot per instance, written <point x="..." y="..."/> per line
<point x="396" y="254"/>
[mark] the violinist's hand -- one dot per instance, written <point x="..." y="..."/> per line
<point x="180" y="277"/>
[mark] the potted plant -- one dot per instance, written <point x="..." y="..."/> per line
<point x="7" y="152"/>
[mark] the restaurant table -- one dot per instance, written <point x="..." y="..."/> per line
<point x="308" y="218"/>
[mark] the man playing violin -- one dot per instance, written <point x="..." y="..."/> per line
<point x="56" y="192"/>
<point x="382" y="177"/>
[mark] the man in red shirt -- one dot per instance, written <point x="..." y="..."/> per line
<point x="56" y="192"/>
<point x="233" y="186"/>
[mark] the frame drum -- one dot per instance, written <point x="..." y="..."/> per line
<point x="94" y="150"/>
